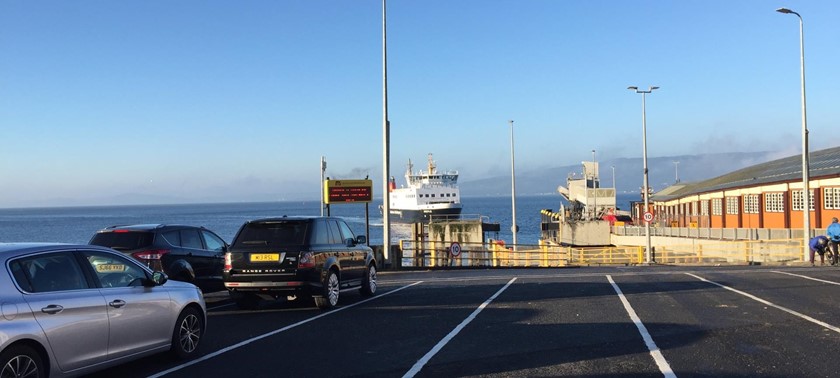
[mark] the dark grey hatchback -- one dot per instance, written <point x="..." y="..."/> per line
<point x="291" y="256"/>
<point x="185" y="253"/>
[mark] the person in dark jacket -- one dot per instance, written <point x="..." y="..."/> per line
<point x="818" y="244"/>
<point x="833" y="233"/>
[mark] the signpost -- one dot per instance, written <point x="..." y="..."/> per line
<point x="342" y="191"/>
<point x="648" y="216"/>
<point x="350" y="191"/>
<point x="455" y="249"/>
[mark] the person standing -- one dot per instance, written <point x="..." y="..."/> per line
<point x="818" y="244"/>
<point x="833" y="233"/>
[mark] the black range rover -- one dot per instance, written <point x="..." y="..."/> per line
<point x="293" y="256"/>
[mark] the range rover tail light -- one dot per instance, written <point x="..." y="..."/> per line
<point x="228" y="263"/>
<point x="306" y="261"/>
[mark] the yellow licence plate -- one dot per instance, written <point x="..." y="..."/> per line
<point x="108" y="268"/>
<point x="264" y="257"/>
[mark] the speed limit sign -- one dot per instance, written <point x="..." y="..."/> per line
<point x="455" y="249"/>
<point x="648" y="216"/>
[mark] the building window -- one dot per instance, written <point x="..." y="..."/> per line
<point x="732" y="205"/>
<point x="751" y="204"/>
<point x="774" y="202"/>
<point x="797" y="200"/>
<point x="717" y="206"/>
<point x="831" y="198"/>
<point x="704" y="208"/>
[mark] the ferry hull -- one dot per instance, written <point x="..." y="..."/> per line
<point x="420" y="216"/>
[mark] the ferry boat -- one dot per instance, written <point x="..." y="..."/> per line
<point x="428" y="195"/>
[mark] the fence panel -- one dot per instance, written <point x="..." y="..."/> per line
<point x="544" y="255"/>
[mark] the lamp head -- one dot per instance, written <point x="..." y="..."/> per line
<point x="652" y="88"/>
<point x="633" y="88"/>
<point x="784" y="10"/>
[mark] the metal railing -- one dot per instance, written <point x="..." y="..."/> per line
<point x="715" y="233"/>
<point x="746" y="251"/>
<point x="545" y="255"/>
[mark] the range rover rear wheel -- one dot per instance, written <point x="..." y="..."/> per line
<point x="329" y="296"/>
<point x="369" y="281"/>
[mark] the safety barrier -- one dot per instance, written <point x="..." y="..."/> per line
<point x="715" y="233"/>
<point x="746" y="251"/>
<point x="498" y="255"/>
<point x="492" y="254"/>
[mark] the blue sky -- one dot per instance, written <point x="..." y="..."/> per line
<point x="110" y="101"/>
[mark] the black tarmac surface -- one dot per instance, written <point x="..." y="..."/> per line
<point x="739" y="322"/>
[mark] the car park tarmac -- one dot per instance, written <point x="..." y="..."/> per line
<point x="703" y="321"/>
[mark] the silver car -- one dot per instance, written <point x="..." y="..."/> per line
<point x="67" y="310"/>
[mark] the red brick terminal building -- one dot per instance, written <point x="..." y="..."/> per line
<point x="767" y="195"/>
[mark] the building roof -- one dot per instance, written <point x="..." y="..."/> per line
<point x="823" y="163"/>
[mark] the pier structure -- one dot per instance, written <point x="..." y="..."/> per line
<point x="450" y="241"/>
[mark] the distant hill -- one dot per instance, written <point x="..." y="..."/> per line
<point x="628" y="173"/>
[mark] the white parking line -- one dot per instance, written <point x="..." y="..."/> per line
<point x="807" y="278"/>
<point x="771" y="304"/>
<point x="272" y="333"/>
<point x="664" y="367"/>
<point x="422" y="362"/>
<point x="219" y="306"/>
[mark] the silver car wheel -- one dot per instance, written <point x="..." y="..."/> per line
<point x="20" y="366"/>
<point x="372" y="279"/>
<point x="332" y="289"/>
<point x="368" y="288"/>
<point x="189" y="333"/>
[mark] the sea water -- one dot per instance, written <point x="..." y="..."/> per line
<point x="78" y="224"/>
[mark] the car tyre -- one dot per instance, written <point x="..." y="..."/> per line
<point x="369" y="282"/>
<point x="187" y="334"/>
<point x="21" y="361"/>
<point x="329" y="296"/>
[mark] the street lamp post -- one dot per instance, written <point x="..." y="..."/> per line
<point x="613" y="171"/>
<point x="386" y="152"/>
<point x="676" y="172"/>
<point x="323" y="174"/>
<point x="806" y="191"/>
<point x="513" y="227"/>
<point x="644" y="163"/>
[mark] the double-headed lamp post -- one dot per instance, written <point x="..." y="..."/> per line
<point x="806" y="191"/>
<point x="644" y="163"/>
